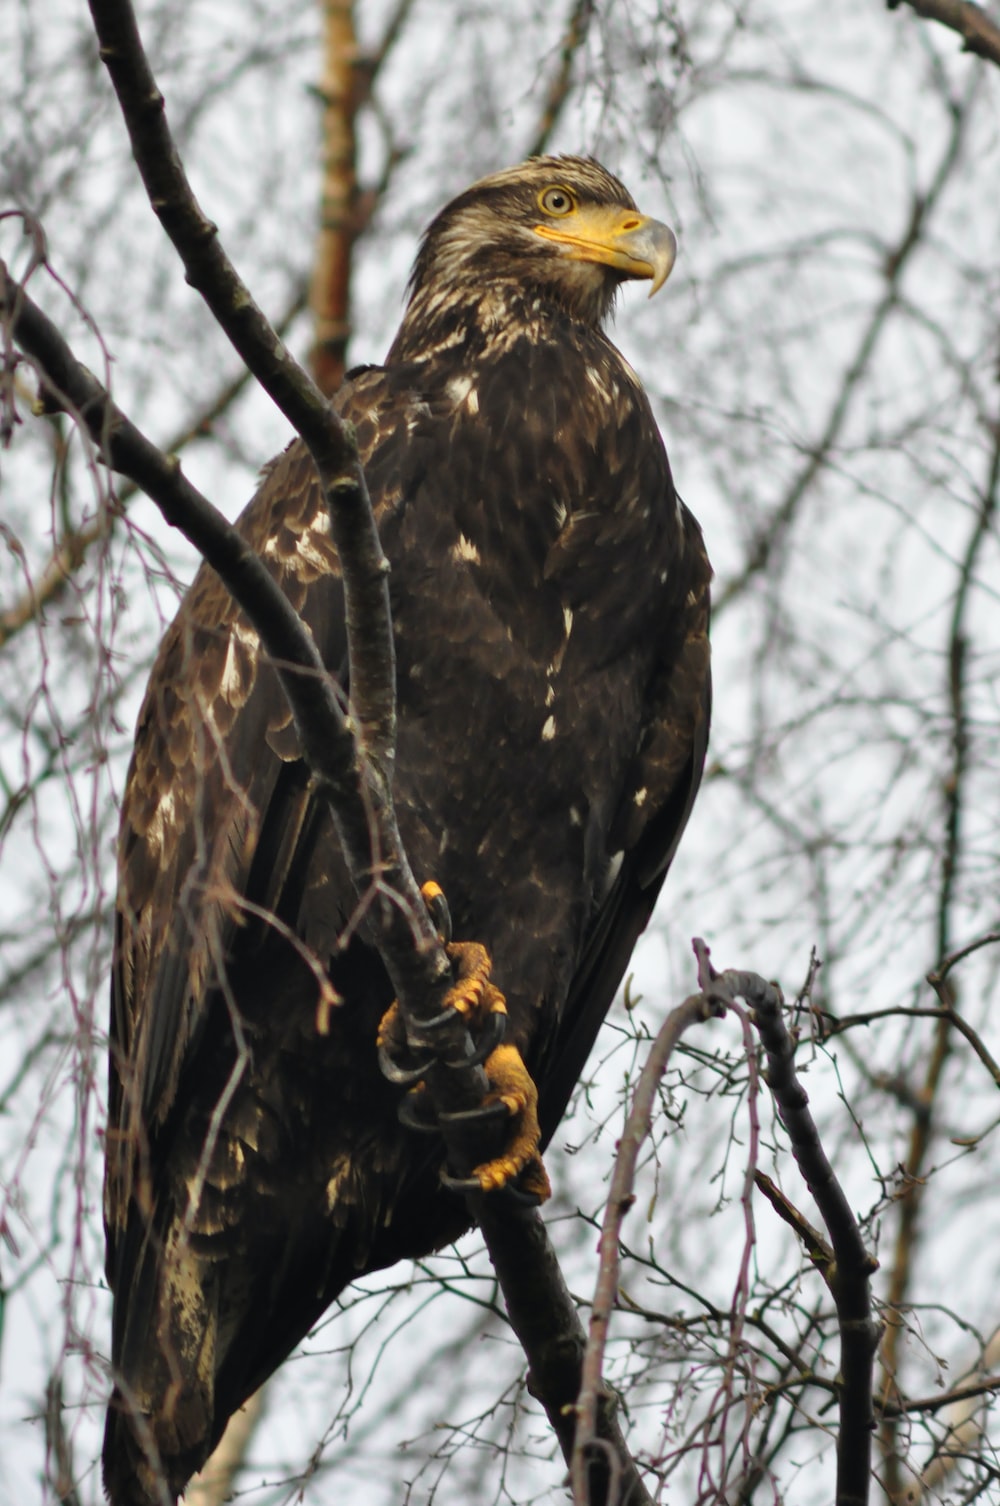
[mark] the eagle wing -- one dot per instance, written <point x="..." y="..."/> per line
<point x="656" y="802"/>
<point x="217" y="807"/>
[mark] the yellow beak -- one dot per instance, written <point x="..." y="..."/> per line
<point x="616" y="237"/>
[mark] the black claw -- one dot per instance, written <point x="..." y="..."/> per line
<point x="437" y="909"/>
<point x="404" y="1077"/>
<point x="411" y="1117"/>
<point x="492" y="1034"/>
<point x="517" y="1196"/>
<point x="459" y="1184"/>
<point x="422" y="1032"/>
<point x="513" y="1194"/>
<point x="481" y="1117"/>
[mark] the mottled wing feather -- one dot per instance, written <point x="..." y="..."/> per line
<point x="214" y="733"/>
<point x="654" y="810"/>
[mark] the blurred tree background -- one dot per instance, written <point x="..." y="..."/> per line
<point x="825" y="364"/>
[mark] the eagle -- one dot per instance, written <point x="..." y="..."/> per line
<point x="550" y="605"/>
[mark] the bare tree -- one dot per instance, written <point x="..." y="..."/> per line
<point x="828" y="389"/>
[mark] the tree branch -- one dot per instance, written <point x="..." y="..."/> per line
<point x="577" y="26"/>
<point x="212" y="274"/>
<point x="979" y="33"/>
<point x="329" y="295"/>
<point x="544" y="1317"/>
<point x="848" y="1276"/>
<point x="923" y="1125"/>
<point x="75" y="544"/>
<point x="585" y="1460"/>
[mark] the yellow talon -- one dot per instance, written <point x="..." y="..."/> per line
<point x="388" y="1025"/>
<point x="512" y="1085"/>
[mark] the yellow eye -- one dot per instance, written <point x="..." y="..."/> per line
<point x="557" y="201"/>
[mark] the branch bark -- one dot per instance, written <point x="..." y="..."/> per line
<point x="848" y="1276"/>
<point x="75" y="545"/>
<point x="979" y="33"/>
<point x="329" y="296"/>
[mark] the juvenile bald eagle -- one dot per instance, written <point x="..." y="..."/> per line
<point x="550" y="602"/>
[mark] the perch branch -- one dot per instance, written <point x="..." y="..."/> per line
<point x="209" y="270"/>
<point x="849" y="1276"/>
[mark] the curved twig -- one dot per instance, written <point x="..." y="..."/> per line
<point x="848" y="1275"/>
<point x="620" y="1200"/>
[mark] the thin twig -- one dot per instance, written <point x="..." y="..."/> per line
<point x="620" y="1200"/>
<point x="558" y="91"/>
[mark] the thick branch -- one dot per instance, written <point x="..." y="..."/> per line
<point x="329" y="296"/>
<point x="75" y="544"/>
<point x="544" y="1317"/>
<point x="848" y="1277"/>
<point x="979" y="33"/>
<point x="334" y="453"/>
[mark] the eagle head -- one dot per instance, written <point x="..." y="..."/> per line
<point x="559" y="228"/>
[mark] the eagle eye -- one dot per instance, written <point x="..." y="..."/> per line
<point x="557" y="201"/>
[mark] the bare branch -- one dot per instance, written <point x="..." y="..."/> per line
<point x="944" y="967"/>
<point x="212" y="274"/>
<point x="60" y="1454"/>
<point x="213" y="1484"/>
<point x="620" y="1199"/>
<point x="75" y="545"/>
<point x="922" y="1130"/>
<point x="577" y="25"/>
<point x="329" y="295"/>
<point x="979" y="33"/>
<point x="848" y="1276"/>
<point x="544" y="1317"/>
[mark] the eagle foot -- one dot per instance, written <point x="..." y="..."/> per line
<point x="519" y="1167"/>
<point x="512" y="1095"/>
<point x="406" y="1054"/>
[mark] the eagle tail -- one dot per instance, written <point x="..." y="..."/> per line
<point x="161" y="1420"/>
